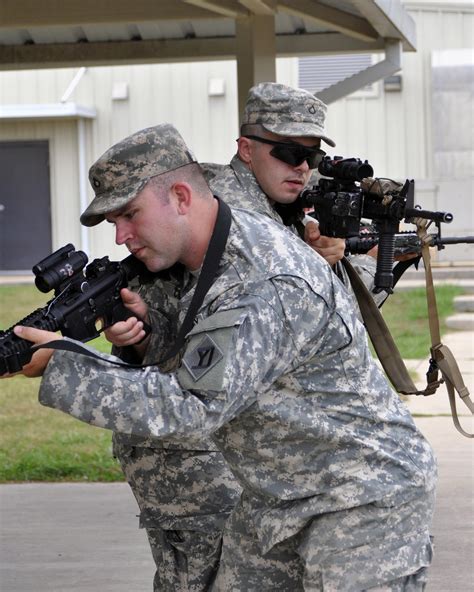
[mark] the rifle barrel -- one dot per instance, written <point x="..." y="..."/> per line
<point x="455" y="240"/>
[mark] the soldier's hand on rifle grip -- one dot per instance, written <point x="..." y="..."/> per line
<point x="131" y="331"/>
<point x="331" y="249"/>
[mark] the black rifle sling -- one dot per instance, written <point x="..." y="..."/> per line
<point x="206" y="278"/>
<point x="78" y="348"/>
<point x="440" y="353"/>
<point x="383" y="342"/>
<point x="401" y="267"/>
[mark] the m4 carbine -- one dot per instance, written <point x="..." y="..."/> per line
<point x="84" y="298"/>
<point x="349" y="194"/>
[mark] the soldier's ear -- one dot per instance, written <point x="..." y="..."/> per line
<point x="182" y="193"/>
<point x="244" y="150"/>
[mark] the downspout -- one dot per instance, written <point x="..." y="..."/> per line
<point x="82" y="172"/>
<point x="387" y="67"/>
<point x="81" y="155"/>
<point x="72" y="85"/>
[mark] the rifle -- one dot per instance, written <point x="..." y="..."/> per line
<point x="405" y="242"/>
<point x="86" y="301"/>
<point x="350" y="193"/>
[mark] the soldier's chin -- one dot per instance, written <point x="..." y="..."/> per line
<point x="287" y="198"/>
<point x="154" y="265"/>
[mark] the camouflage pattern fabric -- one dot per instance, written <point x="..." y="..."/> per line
<point x="186" y="560"/>
<point x="278" y="371"/>
<point x="184" y="488"/>
<point x="286" y="111"/>
<point x="237" y="186"/>
<point x="125" y="168"/>
<point x="309" y="561"/>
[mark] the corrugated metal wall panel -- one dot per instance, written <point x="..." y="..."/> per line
<point x="176" y="93"/>
<point x="319" y="72"/>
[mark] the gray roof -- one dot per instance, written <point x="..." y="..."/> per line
<point x="53" y="33"/>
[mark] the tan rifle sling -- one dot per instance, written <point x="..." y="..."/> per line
<point x="440" y="353"/>
<point x="389" y="355"/>
<point x="382" y="340"/>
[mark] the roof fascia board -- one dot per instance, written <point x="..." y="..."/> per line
<point x="64" y="55"/>
<point x="390" y="19"/>
<point x="324" y="44"/>
<point x="22" y="14"/>
<point x="339" y="20"/>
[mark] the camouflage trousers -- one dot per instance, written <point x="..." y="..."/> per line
<point x="186" y="561"/>
<point x="184" y="498"/>
<point x="371" y="548"/>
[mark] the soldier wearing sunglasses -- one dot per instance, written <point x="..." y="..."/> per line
<point x="277" y="153"/>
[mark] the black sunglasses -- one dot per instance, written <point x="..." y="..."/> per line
<point x="292" y="154"/>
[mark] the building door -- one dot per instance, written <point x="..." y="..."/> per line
<point x="25" y="215"/>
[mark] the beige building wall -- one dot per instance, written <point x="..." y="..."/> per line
<point x="125" y="98"/>
<point x="394" y="130"/>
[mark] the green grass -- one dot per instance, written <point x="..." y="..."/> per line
<point x="37" y="443"/>
<point x="40" y="444"/>
<point x="406" y="316"/>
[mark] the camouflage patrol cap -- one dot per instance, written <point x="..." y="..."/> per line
<point x="286" y="111"/>
<point x="123" y="171"/>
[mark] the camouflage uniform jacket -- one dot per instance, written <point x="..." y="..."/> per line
<point x="236" y="185"/>
<point x="278" y="370"/>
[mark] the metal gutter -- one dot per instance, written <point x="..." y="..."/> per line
<point x="46" y="111"/>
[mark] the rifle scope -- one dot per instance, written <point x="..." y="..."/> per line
<point x="345" y="169"/>
<point x="53" y="270"/>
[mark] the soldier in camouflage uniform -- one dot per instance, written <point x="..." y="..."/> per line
<point x="183" y="487"/>
<point x="338" y="483"/>
<point x="272" y="167"/>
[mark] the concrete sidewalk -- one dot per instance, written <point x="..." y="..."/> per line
<point x="84" y="537"/>
<point x="72" y="538"/>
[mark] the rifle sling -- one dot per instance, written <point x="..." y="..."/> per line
<point x="440" y="353"/>
<point x="401" y="267"/>
<point x="382" y="340"/>
<point x="206" y="278"/>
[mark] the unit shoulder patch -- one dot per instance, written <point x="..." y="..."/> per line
<point x="203" y="357"/>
